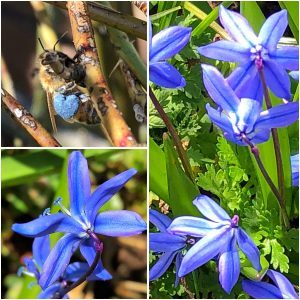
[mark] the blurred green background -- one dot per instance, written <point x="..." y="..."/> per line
<point x="33" y="179"/>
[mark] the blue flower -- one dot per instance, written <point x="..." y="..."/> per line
<point x="282" y="289"/>
<point x="40" y="252"/>
<point x="171" y="245"/>
<point x="253" y="52"/>
<point x="164" y="45"/>
<point x="220" y="237"/>
<point x="82" y="222"/>
<point x="295" y="169"/>
<point x="243" y="118"/>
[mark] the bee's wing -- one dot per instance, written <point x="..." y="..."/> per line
<point x="51" y="111"/>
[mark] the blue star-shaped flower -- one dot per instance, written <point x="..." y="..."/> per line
<point x="40" y="252"/>
<point x="162" y="46"/>
<point x="242" y="118"/>
<point x="253" y="52"/>
<point x="171" y="245"/>
<point x="220" y="237"/>
<point x="282" y="289"/>
<point x="82" y="222"/>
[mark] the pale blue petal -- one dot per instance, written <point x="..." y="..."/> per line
<point x="226" y="50"/>
<point x="295" y="75"/>
<point x="193" y="226"/>
<point x="219" y="118"/>
<point x="277" y="79"/>
<point x="240" y="79"/>
<point x="211" y="210"/>
<point x="41" y="249"/>
<point x="249" y="248"/>
<point x="169" y="42"/>
<point x="48" y="224"/>
<point x="77" y="269"/>
<point x="237" y="27"/>
<point x="160" y="220"/>
<point x="279" y="116"/>
<point x="260" y="136"/>
<point x="283" y="284"/>
<point x="219" y="90"/>
<point x="179" y="258"/>
<point x="272" y="30"/>
<point x="105" y="191"/>
<point x="49" y="292"/>
<point x="165" y="75"/>
<point x="161" y="265"/>
<point x="205" y="249"/>
<point x="229" y="266"/>
<point x="247" y="113"/>
<point x="58" y="259"/>
<point x="295" y="169"/>
<point x="88" y="251"/>
<point x="261" y="290"/>
<point x="119" y="223"/>
<point x="165" y="242"/>
<point x="287" y="57"/>
<point x="79" y="184"/>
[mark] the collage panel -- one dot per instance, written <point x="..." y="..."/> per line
<point x="66" y="213"/>
<point x="80" y="77"/>
<point x="223" y="150"/>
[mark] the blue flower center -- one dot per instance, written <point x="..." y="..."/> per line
<point x="258" y="54"/>
<point x="235" y="221"/>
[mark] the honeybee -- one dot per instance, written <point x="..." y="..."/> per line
<point x="62" y="79"/>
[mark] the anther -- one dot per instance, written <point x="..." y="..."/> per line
<point x="58" y="202"/>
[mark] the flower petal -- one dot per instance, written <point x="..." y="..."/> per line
<point x="249" y="248"/>
<point x="48" y="224"/>
<point x="169" y="42"/>
<point x="219" y="118"/>
<point x="279" y="116"/>
<point x="161" y="221"/>
<point x="211" y="210"/>
<point x="287" y="57"/>
<point x="77" y="269"/>
<point x="283" y="284"/>
<point x="229" y="266"/>
<point x="272" y="30"/>
<point x="41" y="249"/>
<point x="165" y="242"/>
<point x="205" y="249"/>
<point x="277" y="79"/>
<point x="162" y="265"/>
<point x="119" y="223"/>
<point x="219" y="90"/>
<point x="165" y="75"/>
<point x="238" y="27"/>
<point x="260" y="136"/>
<point x="58" y="259"/>
<point x="247" y="113"/>
<point x="226" y="50"/>
<point x="193" y="226"/>
<point x="79" y="184"/>
<point x="295" y="75"/>
<point x="88" y="251"/>
<point x="261" y="290"/>
<point x="50" y="291"/>
<point x="295" y="169"/>
<point x="178" y="261"/>
<point x="30" y="266"/>
<point x="105" y="191"/>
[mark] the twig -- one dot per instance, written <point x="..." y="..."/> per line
<point x="27" y="121"/>
<point x="83" y="36"/>
<point x="112" y="18"/>
<point x="187" y="290"/>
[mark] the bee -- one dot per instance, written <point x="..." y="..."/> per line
<point x="63" y="80"/>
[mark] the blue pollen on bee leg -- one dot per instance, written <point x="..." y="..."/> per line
<point x="66" y="106"/>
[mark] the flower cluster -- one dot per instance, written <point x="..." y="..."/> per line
<point x="81" y="223"/>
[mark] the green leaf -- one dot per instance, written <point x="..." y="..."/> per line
<point x="293" y="15"/>
<point x="289" y="239"/>
<point x="181" y="189"/>
<point x="248" y="270"/>
<point x="157" y="171"/>
<point x="278" y="258"/>
<point x="252" y="12"/>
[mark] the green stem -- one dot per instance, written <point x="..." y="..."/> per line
<point x="181" y="152"/>
<point x="196" y="285"/>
